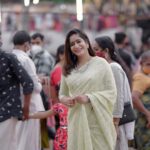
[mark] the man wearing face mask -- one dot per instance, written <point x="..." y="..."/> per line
<point x="43" y="60"/>
<point x="30" y="128"/>
<point x="44" y="63"/>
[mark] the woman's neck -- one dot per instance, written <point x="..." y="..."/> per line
<point x="83" y="60"/>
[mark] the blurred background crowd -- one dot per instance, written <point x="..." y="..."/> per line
<point x="54" y="18"/>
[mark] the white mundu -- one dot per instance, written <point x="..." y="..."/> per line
<point x="28" y="132"/>
<point x="8" y="126"/>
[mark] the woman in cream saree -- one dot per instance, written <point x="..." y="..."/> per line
<point x="91" y="93"/>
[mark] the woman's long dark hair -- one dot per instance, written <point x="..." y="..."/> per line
<point x="60" y="51"/>
<point x="106" y="43"/>
<point x="70" y="58"/>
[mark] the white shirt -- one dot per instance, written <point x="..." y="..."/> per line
<point x="36" y="103"/>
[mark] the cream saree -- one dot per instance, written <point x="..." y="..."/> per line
<point x="90" y="126"/>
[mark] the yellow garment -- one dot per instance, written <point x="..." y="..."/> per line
<point x="141" y="82"/>
<point x="44" y="134"/>
<point x="90" y="126"/>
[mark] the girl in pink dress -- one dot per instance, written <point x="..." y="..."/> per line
<point x="60" y="141"/>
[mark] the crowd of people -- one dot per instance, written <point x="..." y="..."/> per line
<point x="83" y="90"/>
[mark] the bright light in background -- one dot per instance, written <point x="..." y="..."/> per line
<point x="36" y="1"/>
<point x="26" y="2"/>
<point x="79" y="9"/>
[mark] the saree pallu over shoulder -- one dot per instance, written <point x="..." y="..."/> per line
<point x="90" y="126"/>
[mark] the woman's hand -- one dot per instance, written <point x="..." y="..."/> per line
<point x="68" y="101"/>
<point x="82" y="99"/>
<point x="117" y="130"/>
<point x="116" y="124"/>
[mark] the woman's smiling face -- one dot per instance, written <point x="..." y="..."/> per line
<point x="78" y="45"/>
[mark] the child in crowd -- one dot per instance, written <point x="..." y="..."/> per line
<point x="60" y="141"/>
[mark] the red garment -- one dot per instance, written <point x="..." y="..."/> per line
<point x="56" y="76"/>
<point x="60" y="141"/>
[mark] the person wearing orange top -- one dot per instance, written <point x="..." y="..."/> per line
<point x="141" y="101"/>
